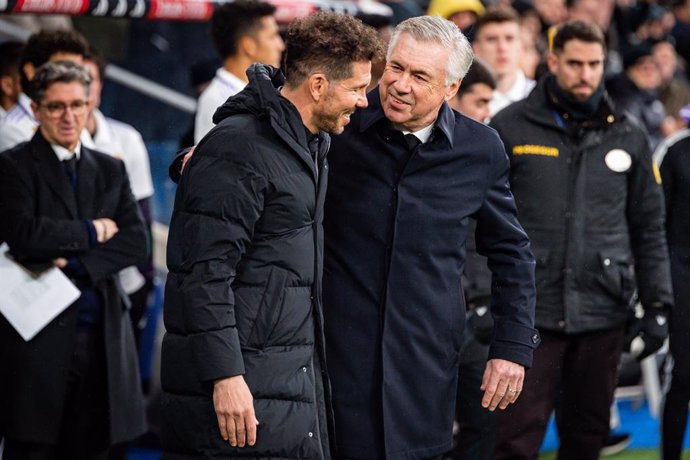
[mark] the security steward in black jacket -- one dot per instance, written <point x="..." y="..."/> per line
<point x="591" y="202"/>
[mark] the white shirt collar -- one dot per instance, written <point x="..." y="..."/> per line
<point x="230" y="80"/>
<point x="64" y="154"/>
<point x="423" y="134"/>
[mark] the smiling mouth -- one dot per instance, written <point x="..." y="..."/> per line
<point x="397" y="100"/>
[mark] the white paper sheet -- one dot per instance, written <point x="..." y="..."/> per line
<point x="29" y="303"/>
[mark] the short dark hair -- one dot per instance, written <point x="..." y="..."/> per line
<point x="45" y="43"/>
<point x="496" y="16"/>
<point x="95" y="56"/>
<point x="577" y="30"/>
<point x="329" y="43"/>
<point x="232" y="21"/>
<point x="10" y="55"/>
<point x="478" y="73"/>
<point x="57" y="72"/>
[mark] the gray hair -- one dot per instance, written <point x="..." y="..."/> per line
<point x="444" y="32"/>
<point x="57" y="72"/>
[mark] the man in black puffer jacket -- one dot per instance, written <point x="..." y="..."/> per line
<point x="243" y="368"/>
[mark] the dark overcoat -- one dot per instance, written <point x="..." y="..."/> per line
<point x="395" y="227"/>
<point x="43" y="219"/>
<point x="243" y="291"/>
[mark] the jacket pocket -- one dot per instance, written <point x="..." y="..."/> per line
<point x="617" y="276"/>
<point x="269" y="308"/>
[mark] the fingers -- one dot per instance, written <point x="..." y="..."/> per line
<point x="105" y="229"/>
<point x="234" y="408"/>
<point x="241" y="431"/>
<point x="223" y="426"/>
<point x="186" y="158"/>
<point x="60" y="262"/>
<point x="251" y="431"/>
<point x="502" y="384"/>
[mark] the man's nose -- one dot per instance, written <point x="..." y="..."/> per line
<point x="402" y="84"/>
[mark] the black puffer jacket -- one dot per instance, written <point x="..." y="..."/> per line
<point x="588" y="199"/>
<point x="242" y="296"/>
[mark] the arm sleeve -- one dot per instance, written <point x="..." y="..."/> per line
<point x="218" y="204"/>
<point x="32" y="237"/>
<point x="646" y="220"/>
<point x="501" y="238"/>
<point x="128" y="247"/>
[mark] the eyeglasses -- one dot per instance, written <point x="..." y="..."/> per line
<point x="58" y="109"/>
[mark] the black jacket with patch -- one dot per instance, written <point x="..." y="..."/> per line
<point x="589" y="200"/>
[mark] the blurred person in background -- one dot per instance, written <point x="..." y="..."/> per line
<point x="475" y="92"/>
<point x="681" y="30"/>
<point x="498" y="44"/>
<point x="73" y="391"/>
<point x="19" y="124"/>
<point x="475" y="439"/>
<point x="200" y="76"/>
<point x="383" y="24"/>
<point x="674" y="84"/>
<point x="123" y="142"/>
<point x="673" y="158"/>
<point x="244" y="32"/>
<point x="10" y="85"/>
<point x="636" y="90"/>
<point x="590" y="201"/>
<point x="463" y="13"/>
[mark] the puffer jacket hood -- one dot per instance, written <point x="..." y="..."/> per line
<point x="261" y="98"/>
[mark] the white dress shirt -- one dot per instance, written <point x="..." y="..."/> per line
<point x="122" y="141"/>
<point x="520" y="89"/>
<point x="223" y="85"/>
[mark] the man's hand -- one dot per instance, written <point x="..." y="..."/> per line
<point x="186" y="158"/>
<point x="60" y="262"/>
<point x="647" y="334"/>
<point x="105" y="229"/>
<point x="502" y="383"/>
<point x="234" y="407"/>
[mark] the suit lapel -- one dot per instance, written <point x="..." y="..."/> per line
<point x="87" y="185"/>
<point x="52" y="171"/>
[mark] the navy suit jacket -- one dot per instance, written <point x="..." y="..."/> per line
<point x="395" y="228"/>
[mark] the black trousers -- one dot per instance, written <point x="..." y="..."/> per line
<point x="84" y="426"/>
<point x="584" y="367"/>
<point x="675" y="412"/>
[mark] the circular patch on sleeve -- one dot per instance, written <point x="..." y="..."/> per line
<point x="618" y="160"/>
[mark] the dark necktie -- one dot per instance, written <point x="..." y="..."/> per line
<point x="70" y="166"/>
<point x="412" y="142"/>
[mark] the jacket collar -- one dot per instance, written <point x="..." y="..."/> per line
<point x="261" y="97"/>
<point x="77" y="204"/>
<point x="539" y="99"/>
<point x="373" y="114"/>
<point x="53" y="173"/>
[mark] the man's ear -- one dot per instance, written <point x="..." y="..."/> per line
<point x="6" y="84"/>
<point x="552" y="62"/>
<point x="318" y="85"/>
<point x="247" y="46"/>
<point x="29" y="70"/>
<point x="34" y="108"/>
<point x="452" y="90"/>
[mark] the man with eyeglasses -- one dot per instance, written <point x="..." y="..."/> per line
<point x="49" y="45"/>
<point x="73" y="390"/>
